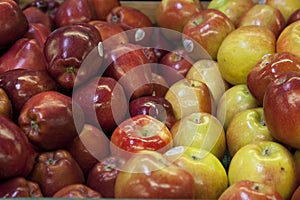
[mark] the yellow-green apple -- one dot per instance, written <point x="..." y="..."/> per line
<point x="246" y="189"/>
<point x="288" y="40"/>
<point x="204" y="167"/>
<point x="200" y="130"/>
<point x="149" y="175"/>
<point x="5" y="104"/>
<point x="296" y="194"/>
<point x="294" y="17"/>
<point x="235" y="99"/>
<point x="157" y="107"/>
<point x="245" y="127"/>
<point x="286" y="7"/>
<point x="208" y="27"/>
<point x="207" y="71"/>
<point x="173" y="14"/>
<point x="188" y="96"/>
<point x="174" y="65"/>
<point x="141" y="132"/>
<point x="266" y="162"/>
<point x="281" y="108"/>
<point x="247" y="45"/>
<point x="269" y="68"/>
<point x="263" y="15"/>
<point x="233" y="9"/>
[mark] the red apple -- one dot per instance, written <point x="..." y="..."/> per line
<point x="103" y="101"/>
<point x="102" y="176"/>
<point x="157" y="107"/>
<point x="5" y="104"/>
<point x="149" y="175"/>
<point x="269" y="68"/>
<point x="103" y="7"/>
<point x="47" y="119"/>
<point x="74" y="11"/>
<point x="296" y="194"/>
<point x="160" y="85"/>
<point x="208" y="27"/>
<point x="281" y="108"/>
<point x="264" y="15"/>
<point x="17" y="153"/>
<point x="174" y="65"/>
<point x="35" y="15"/>
<point x="173" y="14"/>
<point x="294" y="17"/>
<point x="141" y="132"/>
<point x="19" y="187"/>
<point x="39" y="32"/>
<point x="13" y="22"/>
<point x="76" y="191"/>
<point x="246" y="189"/>
<point x="90" y="146"/>
<point x="55" y="170"/>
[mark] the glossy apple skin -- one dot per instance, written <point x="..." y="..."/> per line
<point x="188" y="96"/>
<point x="173" y="14"/>
<point x="281" y="108"/>
<point x="204" y="167"/>
<point x="264" y="15"/>
<point x="246" y="189"/>
<point x="47" y="119"/>
<point x="54" y="170"/>
<point x="269" y="68"/>
<point x="63" y="61"/>
<point x="18" y="154"/>
<point x="157" y="107"/>
<point x="25" y="54"/>
<point x="108" y="93"/>
<point x="208" y="27"/>
<point x="19" y="187"/>
<point x="76" y="191"/>
<point x="74" y="11"/>
<point x="102" y="176"/>
<point x="21" y="84"/>
<point x="90" y="146"/>
<point x="5" y="104"/>
<point x="35" y="15"/>
<point x="288" y="39"/>
<point x="174" y="65"/>
<point x="296" y="194"/>
<point x="141" y="132"/>
<point x="103" y="7"/>
<point x="136" y="178"/>
<point x="259" y="162"/>
<point x="128" y="64"/>
<point x="13" y="22"/>
<point x="39" y="32"/>
<point x="294" y="17"/>
<point x="245" y="127"/>
<point x="286" y="7"/>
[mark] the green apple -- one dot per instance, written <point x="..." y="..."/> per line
<point x="202" y="131"/>
<point x="267" y="162"/>
<point x="242" y="49"/>
<point x="204" y="167"/>
<point x="234" y="100"/>
<point x="245" y="127"/>
<point x="286" y="7"/>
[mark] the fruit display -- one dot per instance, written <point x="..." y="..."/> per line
<point x="169" y="99"/>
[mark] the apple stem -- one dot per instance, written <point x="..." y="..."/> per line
<point x="34" y="126"/>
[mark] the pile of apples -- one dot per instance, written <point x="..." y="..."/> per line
<point x="99" y="101"/>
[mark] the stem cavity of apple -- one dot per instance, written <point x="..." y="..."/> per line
<point x="266" y="152"/>
<point x="34" y="126"/>
<point x="115" y="18"/>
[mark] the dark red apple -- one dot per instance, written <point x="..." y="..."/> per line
<point x="48" y="120"/>
<point x="157" y="107"/>
<point x="21" y="84"/>
<point x="74" y="11"/>
<point x="160" y="85"/>
<point x="25" y="54"/>
<point x="128" y="64"/>
<point x="13" y="22"/>
<point x="175" y="65"/>
<point x="5" y="104"/>
<point x="17" y="155"/>
<point x="65" y="50"/>
<point x="103" y="101"/>
<point x="269" y="68"/>
<point x="19" y="187"/>
<point x="39" y="32"/>
<point x="76" y="191"/>
<point x="281" y="106"/>
<point x="103" y="7"/>
<point x="89" y="147"/>
<point x="141" y="132"/>
<point x="102" y="176"/>
<point x="35" y="15"/>
<point x="294" y="17"/>
<point x="55" y="170"/>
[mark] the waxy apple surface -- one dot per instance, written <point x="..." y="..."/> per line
<point x="76" y="191"/>
<point x="103" y="7"/>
